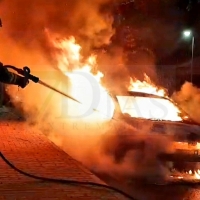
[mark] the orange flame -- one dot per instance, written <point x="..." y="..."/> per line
<point x="86" y="85"/>
<point x="188" y="175"/>
<point x="194" y="175"/>
<point x="146" y="86"/>
<point x="153" y="108"/>
<point x="85" y="79"/>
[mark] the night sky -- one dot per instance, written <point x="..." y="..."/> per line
<point x="158" y="25"/>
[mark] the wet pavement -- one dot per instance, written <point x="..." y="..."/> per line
<point x="30" y="151"/>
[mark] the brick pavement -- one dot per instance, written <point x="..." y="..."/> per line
<point x="32" y="152"/>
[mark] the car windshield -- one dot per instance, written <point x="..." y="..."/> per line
<point x="156" y="108"/>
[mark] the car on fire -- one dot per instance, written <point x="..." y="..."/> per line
<point x="162" y="116"/>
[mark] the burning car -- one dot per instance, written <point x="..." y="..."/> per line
<point x="160" y="116"/>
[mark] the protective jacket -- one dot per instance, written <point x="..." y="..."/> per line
<point x="11" y="78"/>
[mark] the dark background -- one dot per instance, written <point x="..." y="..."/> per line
<point x="157" y="26"/>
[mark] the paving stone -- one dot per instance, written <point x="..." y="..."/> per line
<point x="32" y="152"/>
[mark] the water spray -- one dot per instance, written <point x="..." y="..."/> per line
<point x="26" y="72"/>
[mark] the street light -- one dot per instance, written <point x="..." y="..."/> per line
<point x="189" y="34"/>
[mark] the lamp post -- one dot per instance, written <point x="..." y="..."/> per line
<point x="188" y="34"/>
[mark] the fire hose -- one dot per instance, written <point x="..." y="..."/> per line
<point x="64" y="181"/>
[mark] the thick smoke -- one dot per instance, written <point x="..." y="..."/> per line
<point x="25" y="43"/>
<point x="120" y="65"/>
<point x="25" y="22"/>
<point x="134" y="152"/>
<point x="116" y="149"/>
<point x="188" y="98"/>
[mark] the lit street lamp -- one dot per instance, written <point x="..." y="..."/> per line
<point x="189" y="34"/>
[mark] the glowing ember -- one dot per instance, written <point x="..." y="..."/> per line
<point x="85" y="82"/>
<point x="186" y="146"/>
<point x="189" y="175"/>
<point x="197" y="175"/>
<point x="180" y="177"/>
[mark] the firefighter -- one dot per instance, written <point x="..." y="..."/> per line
<point x="8" y="77"/>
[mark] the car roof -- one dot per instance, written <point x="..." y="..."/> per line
<point x="140" y="94"/>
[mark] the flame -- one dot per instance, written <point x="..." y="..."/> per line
<point x="150" y="107"/>
<point x="186" y="146"/>
<point x="180" y="177"/>
<point x="191" y="175"/>
<point x="86" y="86"/>
<point x="85" y="80"/>
<point x="146" y="86"/>
<point x="195" y="175"/>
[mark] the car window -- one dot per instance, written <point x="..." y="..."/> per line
<point x="149" y="108"/>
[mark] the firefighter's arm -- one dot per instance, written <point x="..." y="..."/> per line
<point x="11" y="78"/>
